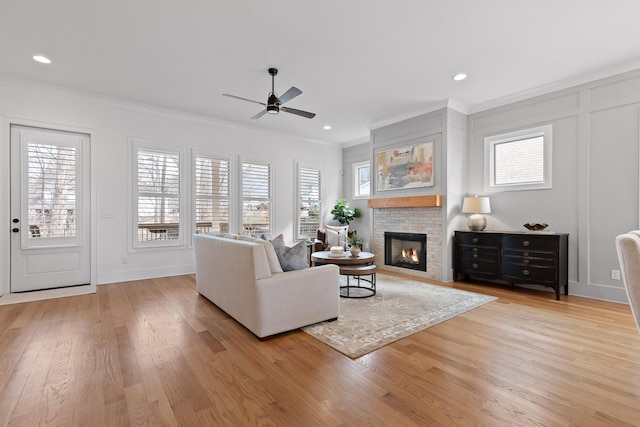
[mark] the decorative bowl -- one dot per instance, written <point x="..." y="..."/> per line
<point x="534" y="226"/>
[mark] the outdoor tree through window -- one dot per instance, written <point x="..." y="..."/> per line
<point x="52" y="190"/>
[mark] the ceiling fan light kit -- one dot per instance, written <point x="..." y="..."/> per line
<point x="274" y="103"/>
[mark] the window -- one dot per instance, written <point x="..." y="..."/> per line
<point x="309" y="206"/>
<point x="256" y="198"/>
<point x="211" y="194"/>
<point x="157" y="196"/>
<point x="519" y="160"/>
<point x="361" y="173"/>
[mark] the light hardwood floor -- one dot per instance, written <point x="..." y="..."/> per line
<point x="153" y="352"/>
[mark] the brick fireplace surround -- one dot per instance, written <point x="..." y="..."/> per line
<point x="420" y="214"/>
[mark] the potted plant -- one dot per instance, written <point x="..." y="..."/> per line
<point x="355" y="242"/>
<point x="343" y="213"/>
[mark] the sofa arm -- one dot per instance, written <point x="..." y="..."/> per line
<point x="298" y="298"/>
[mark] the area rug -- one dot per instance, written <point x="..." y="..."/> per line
<point x="400" y="308"/>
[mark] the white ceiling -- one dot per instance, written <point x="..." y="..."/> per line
<point x="360" y="63"/>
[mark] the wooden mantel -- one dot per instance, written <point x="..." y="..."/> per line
<point x="406" y="202"/>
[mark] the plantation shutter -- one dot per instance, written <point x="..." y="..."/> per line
<point x="212" y="194"/>
<point x="309" y="202"/>
<point x="256" y="198"/>
<point x="158" y="195"/>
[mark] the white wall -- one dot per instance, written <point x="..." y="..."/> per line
<point x="114" y="122"/>
<point x="595" y="174"/>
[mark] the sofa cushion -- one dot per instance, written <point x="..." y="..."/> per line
<point x="272" y="257"/>
<point x="336" y="235"/>
<point x="294" y="258"/>
<point x="278" y="240"/>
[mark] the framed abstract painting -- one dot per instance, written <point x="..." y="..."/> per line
<point x="406" y="167"/>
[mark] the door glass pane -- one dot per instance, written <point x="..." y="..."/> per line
<point x="51" y="177"/>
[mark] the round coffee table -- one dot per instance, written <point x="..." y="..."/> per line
<point x="356" y="266"/>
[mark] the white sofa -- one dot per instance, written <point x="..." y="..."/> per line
<point x="237" y="277"/>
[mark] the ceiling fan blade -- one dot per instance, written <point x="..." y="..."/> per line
<point x="260" y="114"/>
<point x="243" y="99"/>
<point x="306" y="114"/>
<point x="290" y="94"/>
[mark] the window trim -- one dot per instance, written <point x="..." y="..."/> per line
<point x="296" y="224"/>
<point x="139" y="144"/>
<point x="356" y="179"/>
<point x="546" y="131"/>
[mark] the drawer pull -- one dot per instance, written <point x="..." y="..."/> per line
<point x="525" y="261"/>
<point x="474" y="240"/>
<point x="526" y="243"/>
<point x="474" y="265"/>
<point x="525" y="254"/>
<point x="475" y="255"/>
<point x="525" y="272"/>
<point x="475" y="249"/>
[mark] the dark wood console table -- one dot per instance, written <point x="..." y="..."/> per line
<point x="514" y="257"/>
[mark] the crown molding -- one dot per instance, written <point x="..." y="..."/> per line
<point x="557" y="86"/>
<point x="32" y="85"/>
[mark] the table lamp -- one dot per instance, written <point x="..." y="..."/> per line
<point x="476" y="206"/>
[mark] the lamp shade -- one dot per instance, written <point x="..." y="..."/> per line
<point x="474" y="205"/>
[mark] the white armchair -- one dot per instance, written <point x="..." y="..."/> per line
<point x="628" y="247"/>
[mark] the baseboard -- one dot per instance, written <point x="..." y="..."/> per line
<point x="599" y="292"/>
<point x="145" y="273"/>
<point x="70" y="291"/>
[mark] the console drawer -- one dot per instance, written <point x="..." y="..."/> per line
<point x="478" y="239"/>
<point x="479" y="268"/>
<point x="528" y="274"/>
<point x="527" y="242"/>
<point x="487" y="254"/>
<point x="541" y="259"/>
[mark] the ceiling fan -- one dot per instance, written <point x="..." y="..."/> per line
<point x="274" y="103"/>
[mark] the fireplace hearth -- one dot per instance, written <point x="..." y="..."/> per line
<point x="406" y="250"/>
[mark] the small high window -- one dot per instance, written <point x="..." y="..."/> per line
<point x="361" y="179"/>
<point x="519" y="160"/>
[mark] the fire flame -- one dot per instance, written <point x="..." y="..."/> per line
<point x="411" y="254"/>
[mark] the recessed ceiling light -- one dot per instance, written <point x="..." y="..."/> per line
<point x="459" y="76"/>
<point x="326" y="127"/>
<point x="42" y="59"/>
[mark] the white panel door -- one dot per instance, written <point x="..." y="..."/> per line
<point x="50" y="196"/>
